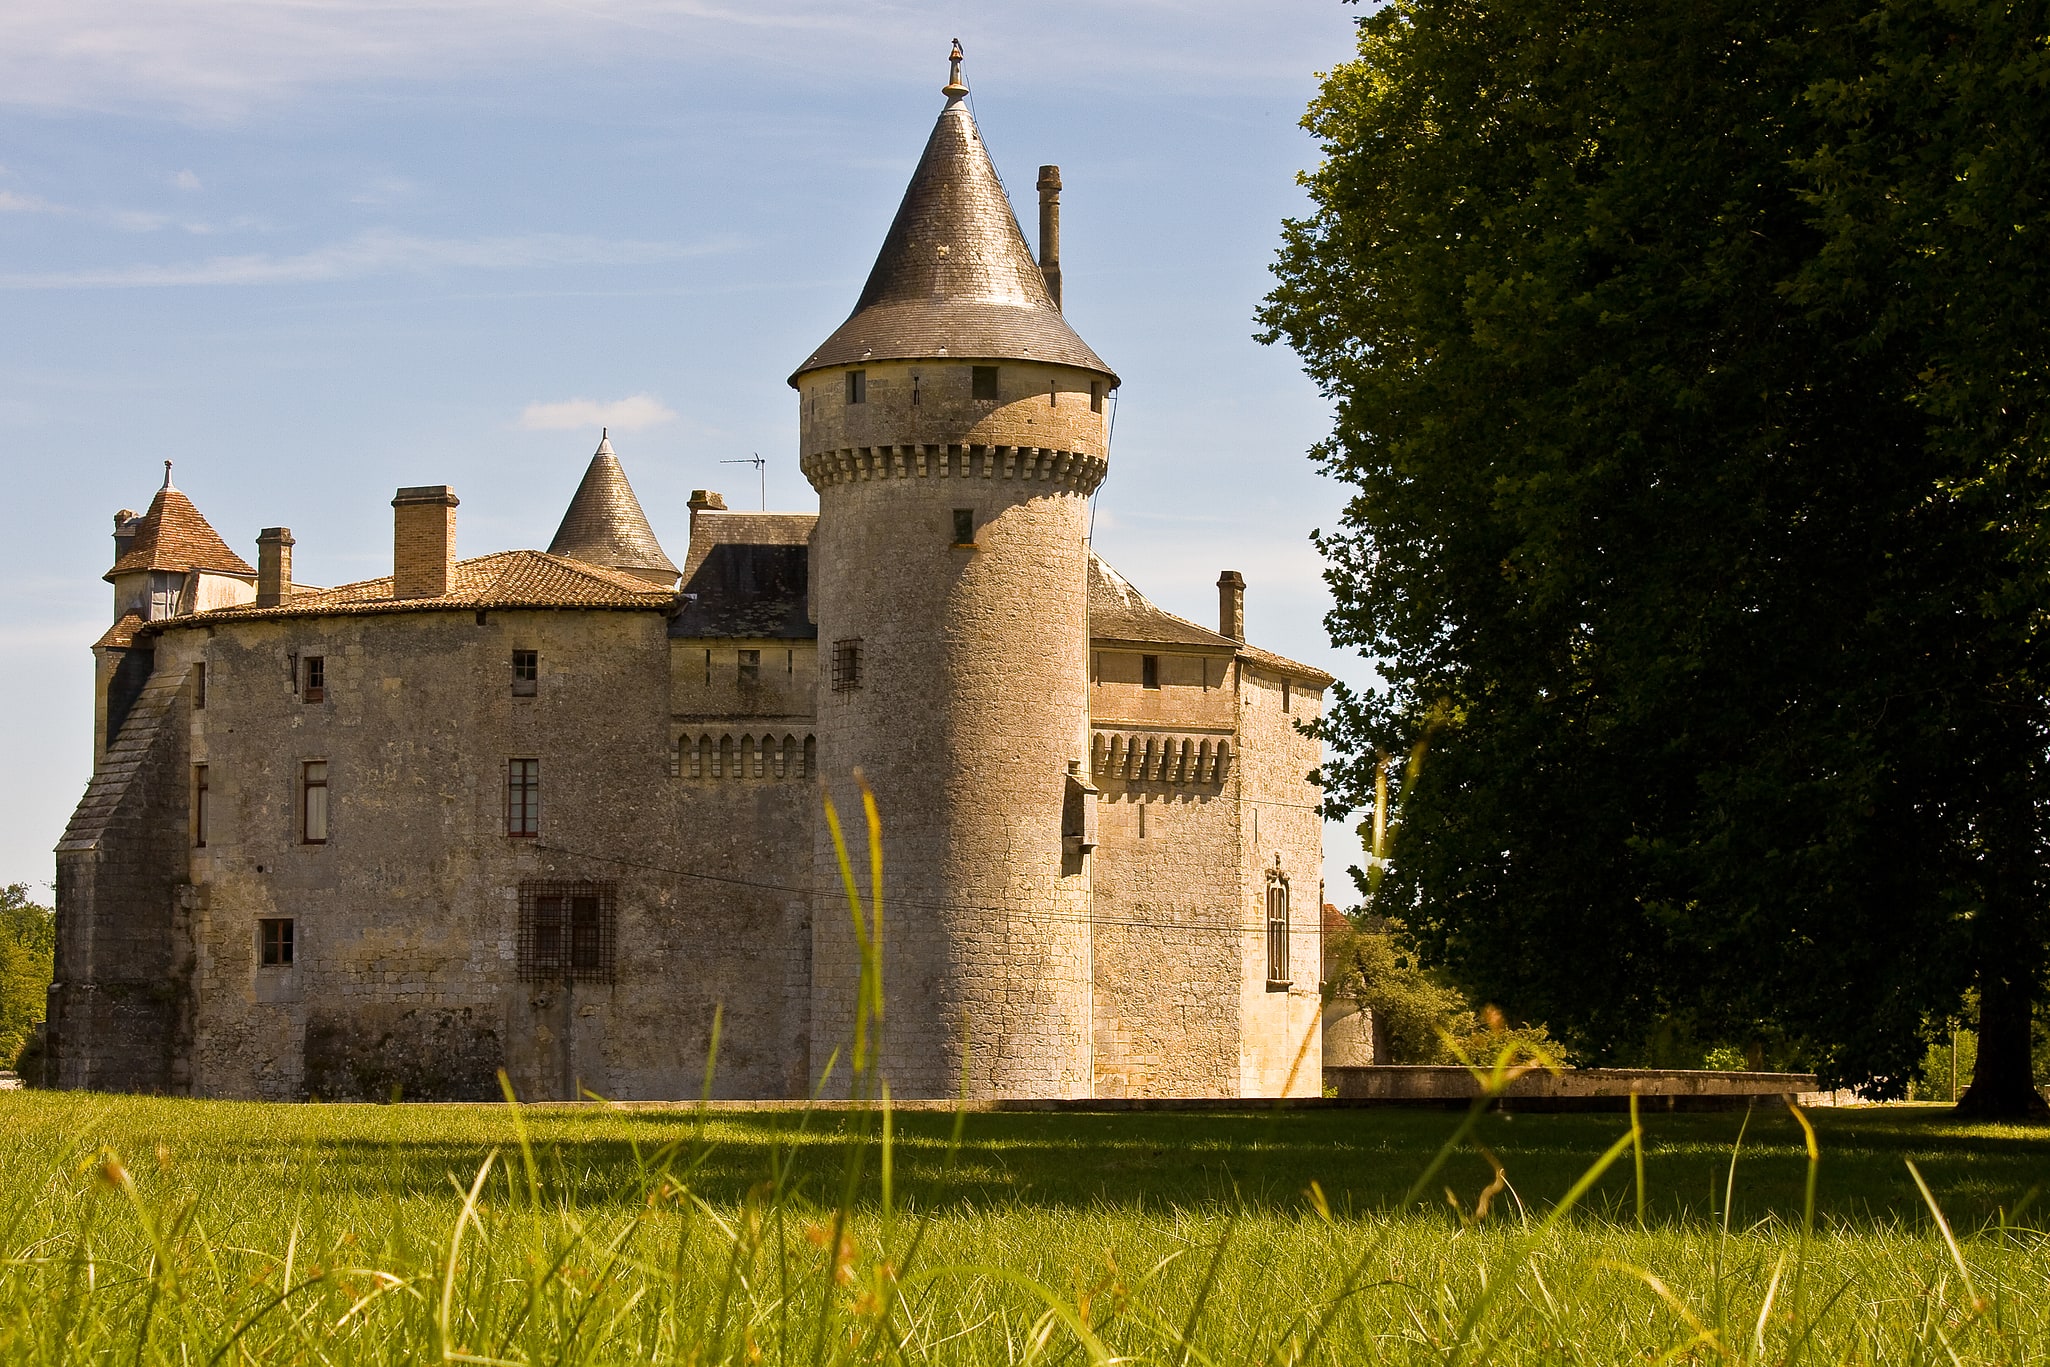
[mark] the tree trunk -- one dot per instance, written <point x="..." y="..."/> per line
<point x="2003" y="1085"/>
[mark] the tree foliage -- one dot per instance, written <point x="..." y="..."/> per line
<point x="1689" y="371"/>
<point x="28" y="944"/>
<point x="1417" y="1017"/>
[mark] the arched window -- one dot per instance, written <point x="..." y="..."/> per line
<point x="1277" y="929"/>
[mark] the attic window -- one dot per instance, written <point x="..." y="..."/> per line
<point x="1149" y="671"/>
<point x="857" y="386"/>
<point x="984" y="379"/>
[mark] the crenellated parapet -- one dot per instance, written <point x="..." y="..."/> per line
<point x="1071" y="471"/>
<point x="722" y="755"/>
<point x="1152" y="757"/>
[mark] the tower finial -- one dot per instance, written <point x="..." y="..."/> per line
<point x="954" y="89"/>
<point x="167" y="474"/>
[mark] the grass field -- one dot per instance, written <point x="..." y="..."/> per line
<point x="140" y="1230"/>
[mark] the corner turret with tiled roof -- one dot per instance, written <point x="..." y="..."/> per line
<point x="954" y="277"/>
<point x="605" y="524"/>
<point x="172" y="536"/>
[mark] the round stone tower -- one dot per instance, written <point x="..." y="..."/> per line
<point x="954" y="428"/>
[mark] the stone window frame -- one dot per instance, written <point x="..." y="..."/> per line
<point x="552" y="945"/>
<point x="276" y="942"/>
<point x="526" y="673"/>
<point x="857" y="386"/>
<point x="964" y="528"/>
<point x="985" y="383"/>
<point x="199" y="806"/>
<point x="1277" y="931"/>
<point x="316" y="802"/>
<point x="1149" y="673"/>
<point x="523" y="798"/>
<point x="313" y="685"/>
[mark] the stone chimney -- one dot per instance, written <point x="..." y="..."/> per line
<point x="1050" y="230"/>
<point x="125" y="523"/>
<point x="273" y="566"/>
<point x="705" y="501"/>
<point x="1231" y="605"/>
<point x="423" y="541"/>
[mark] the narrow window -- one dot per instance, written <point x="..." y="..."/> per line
<point x="315" y="688"/>
<point x="1142" y="818"/>
<point x="846" y="665"/>
<point x="274" y="935"/>
<point x="1096" y="396"/>
<point x="789" y="662"/>
<point x="750" y="666"/>
<point x="857" y="386"/>
<point x="914" y="389"/>
<point x="964" y="526"/>
<point x="313" y="802"/>
<point x="708" y="669"/>
<point x="199" y="806"/>
<point x="1053" y="395"/>
<point x="1149" y="671"/>
<point x="198" y="687"/>
<point x="1287" y="695"/>
<point x="523" y="797"/>
<point x="984" y="381"/>
<point x="566" y="931"/>
<point x="1277" y="929"/>
<point x="526" y="678"/>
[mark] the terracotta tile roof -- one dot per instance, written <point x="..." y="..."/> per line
<point x="506" y="579"/>
<point x="173" y="536"/>
<point x="1119" y="612"/>
<point x="122" y="633"/>
<point x="1281" y="664"/>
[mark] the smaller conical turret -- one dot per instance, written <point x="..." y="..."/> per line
<point x="605" y="524"/>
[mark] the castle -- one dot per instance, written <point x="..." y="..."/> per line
<point x="553" y="813"/>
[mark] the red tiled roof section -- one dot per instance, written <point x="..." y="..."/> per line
<point x="122" y="633"/>
<point x="173" y="536"/>
<point x="506" y="579"/>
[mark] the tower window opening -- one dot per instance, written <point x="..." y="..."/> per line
<point x="315" y="687"/>
<point x="1096" y="396"/>
<point x="857" y="386"/>
<point x="846" y="665"/>
<point x="199" y="794"/>
<point x="964" y="526"/>
<point x="984" y="381"/>
<point x="526" y="673"/>
<point x="914" y="389"/>
<point x="523" y="797"/>
<point x="313" y="802"/>
<point x="1287" y="695"/>
<point x="1053" y="395"/>
<point x="750" y="666"/>
<point x="1277" y="930"/>
<point x="198" y="687"/>
<point x="1149" y="671"/>
<point x="274" y="936"/>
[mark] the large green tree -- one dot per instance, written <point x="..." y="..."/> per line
<point x="28" y="941"/>
<point x="1694" y="416"/>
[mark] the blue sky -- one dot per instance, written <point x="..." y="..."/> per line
<point x="314" y="250"/>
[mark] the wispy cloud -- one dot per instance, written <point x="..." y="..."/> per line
<point x="12" y="203"/>
<point x="377" y="252"/>
<point x="630" y="414"/>
<point x="185" y="180"/>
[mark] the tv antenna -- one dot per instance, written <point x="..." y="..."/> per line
<point x="761" y="467"/>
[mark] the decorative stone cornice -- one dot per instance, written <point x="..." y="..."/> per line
<point x="1154" y="757"/>
<point x="1069" y="470"/>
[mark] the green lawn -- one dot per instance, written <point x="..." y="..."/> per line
<point x="657" y="1236"/>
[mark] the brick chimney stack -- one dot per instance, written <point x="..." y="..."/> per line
<point x="1050" y="230"/>
<point x="423" y="541"/>
<point x="273" y="566"/>
<point x="1231" y="605"/>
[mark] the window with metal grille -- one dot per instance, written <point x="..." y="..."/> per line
<point x="566" y="931"/>
<point x="315" y="687"/>
<point x="984" y="381"/>
<point x="1277" y="929"/>
<point x="274" y="940"/>
<point x="523" y="797"/>
<point x="857" y="386"/>
<point x="526" y="676"/>
<point x="846" y="665"/>
<point x="313" y="802"/>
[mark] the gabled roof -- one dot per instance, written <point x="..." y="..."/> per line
<point x="954" y="277"/>
<point x="747" y="575"/>
<point x="1119" y="612"/>
<point x="605" y="524"/>
<point x="504" y="580"/>
<point x="173" y="536"/>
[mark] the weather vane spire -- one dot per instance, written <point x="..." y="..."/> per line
<point x="167" y="474"/>
<point x="954" y="89"/>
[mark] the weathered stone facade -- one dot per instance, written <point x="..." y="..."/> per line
<point x="554" y="814"/>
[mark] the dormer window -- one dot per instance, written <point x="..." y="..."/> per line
<point x="984" y="381"/>
<point x="857" y="386"/>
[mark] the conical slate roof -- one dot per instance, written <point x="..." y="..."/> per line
<point x="954" y="277"/>
<point x="173" y="536"/>
<point x="605" y="524"/>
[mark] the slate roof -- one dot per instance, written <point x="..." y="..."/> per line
<point x="504" y="580"/>
<point x="173" y="536"/>
<point x="1119" y="612"/>
<point x="605" y="524"/>
<point x="954" y="277"/>
<point x="751" y="573"/>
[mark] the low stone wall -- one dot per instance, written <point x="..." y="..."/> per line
<point x="1578" y="1089"/>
